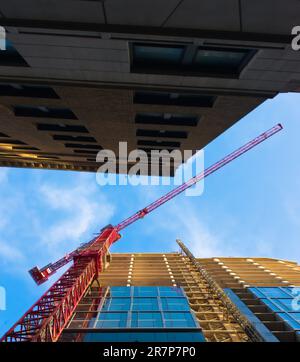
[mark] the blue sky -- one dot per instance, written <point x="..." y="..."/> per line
<point x="249" y="208"/>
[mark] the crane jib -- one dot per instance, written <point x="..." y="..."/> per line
<point x="202" y="175"/>
<point x="41" y="275"/>
<point x="47" y="318"/>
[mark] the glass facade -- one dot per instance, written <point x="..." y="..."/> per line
<point x="43" y="112"/>
<point x="149" y="54"/>
<point x="145" y="336"/>
<point x="145" y="307"/>
<point x="284" y="301"/>
<point x="25" y="90"/>
<point x="142" y="314"/>
<point x="189" y="59"/>
<point x="167" y="119"/>
<point x="210" y="59"/>
<point x="174" y="99"/>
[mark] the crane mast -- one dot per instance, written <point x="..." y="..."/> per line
<point x="46" y="319"/>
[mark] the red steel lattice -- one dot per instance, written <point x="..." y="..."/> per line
<point x="47" y="318"/>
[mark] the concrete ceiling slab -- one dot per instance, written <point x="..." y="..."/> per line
<point x="55" y="10"/>
<point x="206" y="14"/>
<point x="139" y="12"/>
<point x="269" y="16"/>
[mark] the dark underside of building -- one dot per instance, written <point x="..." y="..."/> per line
<point x="77" y="76"/>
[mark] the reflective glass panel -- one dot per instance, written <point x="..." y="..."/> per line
<point x="175" y="304"/>
<point x="146" y="304"/>
<point x="120" y="291"/>
<point x="219" y="59"/>
<point x="116" y="304"/>
<point x="170" y="292"/>
<point x="292" y="319"/>
<point x="179" y="320"/>
<point x="144" y="54"/>
<point x="112" y="320"/>
<point x="270" y="292"/>
<point x="145" y="291"/>
<point x="146" y="320"/>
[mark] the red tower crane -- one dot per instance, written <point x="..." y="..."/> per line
<point x="47" y="318"/>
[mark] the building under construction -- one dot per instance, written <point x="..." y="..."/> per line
<point x="77" y="77"/>
<point x="175" y="297"/>
<point x="164" y="297"/>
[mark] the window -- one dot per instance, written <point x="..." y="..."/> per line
<point x="61" y="128"/>
<point x="146" y="320"/>
<point x="189" y="60"/>
<point x="171" y="292"/>
<point x="273" y="306"/>
<point x="179" y="320"/>
<point x="26" y="148"/>
<point x="120" y="292"/>
<point x="280" y="305"/>
<point x="174" y="99"/>
<point x="80" y="145"/>
<point x="281" y="301"/>
<point x="145" y="304"/>
<point x="87" y="152"/>
<point x="43" y="112"/>
<point x="142" y="307"/>
<point x="73" y="138"/>
<point x="12" y="142"/>
<point x="293" y="319"/>
<point x="48" y="157"/>
<point x="156" y="55"/>
<point x="116" y="304"/>
<point x="112" y="320"/>
<point x="11" y="58"/>
<point x="145" y="336"/>
<point x="84" y="315"/>
<point x="269" y="292"/>
<point x="167" y="119"/>
<point x="145" y="291"/>
<point x="160" y="133"/>
<point x="175" y="304"/>
<point x="148" y="150"/>
<point x="7" y="155"/>
<point x="286" y="304"/>
<point x="158" y="143"/>
<point x="21" y="90"/>
<point x="220" y="61"/>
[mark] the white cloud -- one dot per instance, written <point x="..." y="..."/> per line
<point x="196" y="235"/>
<point x="46" y="219"/>
<point x="205" y="236"/>
<point x="10" y="253"/>
<point x="291" y="205"/>
<point x="82" y="208"/>
<point x="3" y="175"/>
<point x="182" y="220"/>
